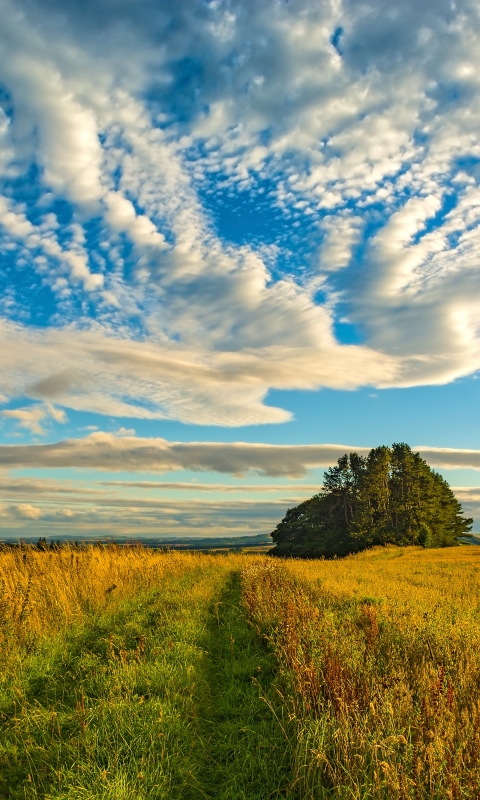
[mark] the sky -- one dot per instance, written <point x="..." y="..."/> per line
<point x="237" y="239"/>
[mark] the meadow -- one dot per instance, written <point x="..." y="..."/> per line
<point x="137" y="673"/>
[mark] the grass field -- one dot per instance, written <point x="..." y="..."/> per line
<point x="134" y="673"/>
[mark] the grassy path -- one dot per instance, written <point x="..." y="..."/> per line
<point x="243" y="748"/>
<point x="153" y="699"/>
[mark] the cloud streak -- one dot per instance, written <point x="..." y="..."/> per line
<point x="105" y="451"/>
<point x="161" y="380"/>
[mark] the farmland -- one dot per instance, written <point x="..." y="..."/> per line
<point x="134" y="673"/>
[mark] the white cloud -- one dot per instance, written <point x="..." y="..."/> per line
<point x="86" y="370"/>
<point x="121" y="216"/>
<point x="104" y="451"/>
<point x="23" y="511"/>
<point x="44" y="239"/>
<point x="31" y="418"/>
<point x="341" y="234"/>
<point x="380" y="126"/>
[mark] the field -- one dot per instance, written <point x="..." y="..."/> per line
<point x="135" y="673"/>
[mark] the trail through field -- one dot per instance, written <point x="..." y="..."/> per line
<point x="243" y="750"/>
<point x="138" y="675"/>
<point x="157" y="698"/>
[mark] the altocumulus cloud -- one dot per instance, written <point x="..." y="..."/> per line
<point x="121" y="123"/>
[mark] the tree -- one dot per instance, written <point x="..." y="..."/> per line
<point x="390" y="497"/>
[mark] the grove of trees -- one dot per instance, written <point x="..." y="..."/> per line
<point x="390" y="497"/>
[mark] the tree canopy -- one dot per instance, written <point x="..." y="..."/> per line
<point x="391" y="496"/>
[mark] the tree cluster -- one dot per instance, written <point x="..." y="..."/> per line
<point x="391" y="496"/>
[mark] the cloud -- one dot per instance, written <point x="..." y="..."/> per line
<point x="449" y="458"/>
<point x="50" y="488"/>
<point x="31" y="418"/>
<point x="88" y="370"/>
<point x="255" y="488"/>
<point x="140" y="122"/>
<point x="23" y="511"/>
<point x="82" y="507"/>
<point x="105" y="451"/>
<point x="341" y="234"/>
<point x="125" y="432"/>
<point x="188" y="518"/>
<point x="42" y="239"/>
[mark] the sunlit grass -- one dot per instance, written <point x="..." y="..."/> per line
<point x="380" y="653"/>
<point x="139" y="691"/>
<point x="132" y="673"/>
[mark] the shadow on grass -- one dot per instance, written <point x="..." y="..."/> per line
<point x="99" y="711"/>
<point x="243" y="752"/>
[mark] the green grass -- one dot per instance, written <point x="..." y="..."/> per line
<point x="151" y="698"/>
<point x="244" y="754"/>
<point x="239" y="677"/>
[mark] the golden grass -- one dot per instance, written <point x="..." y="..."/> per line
<point x="379" y="653"/>
<point x="381" y="657"/>
<point x="43" y="592"/>
<point x="142" y="691"/>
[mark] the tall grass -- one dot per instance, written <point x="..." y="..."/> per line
<point x="380" y="655"/>
<point x="131" y="673"/>
<point x="126" y="675"/>
<point x="44" y="591"/>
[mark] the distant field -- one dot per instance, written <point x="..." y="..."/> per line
<point x="135" y="673"/>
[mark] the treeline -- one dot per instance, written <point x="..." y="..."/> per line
<point x="391" y="496"/>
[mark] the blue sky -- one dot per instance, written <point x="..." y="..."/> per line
<point x="235" y="239"/>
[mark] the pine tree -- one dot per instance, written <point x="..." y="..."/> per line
<point x="390" y="497"/>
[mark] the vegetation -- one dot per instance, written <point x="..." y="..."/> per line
<point x="127" y="674"/>
<point x="136" y="673"/>
<point x="390" y="497"/>
<point x="380" y="664"/>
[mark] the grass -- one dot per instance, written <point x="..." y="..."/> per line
<point x="131" y="673"/>
<point x="147" y="694"/>
<point x="380" y="660"/>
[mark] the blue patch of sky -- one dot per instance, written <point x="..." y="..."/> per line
<point x="25" y="187"/>
<point x="6" y="101"/>
<point x="449" y="201"/>
<point x="347" y="332"/>
<point x="335" y="40"/>
<point x="253" y="217"/>
<point x="179" y="94"/>
<point x="248" y="216"/>
<point x="468" y="164"/>
<point x="32" y="301"/>
<point x="438" y="416"/>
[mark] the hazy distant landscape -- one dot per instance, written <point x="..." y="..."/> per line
<point x="179" y="543"/>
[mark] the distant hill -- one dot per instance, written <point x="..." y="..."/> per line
<point x="173" y="543"/>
